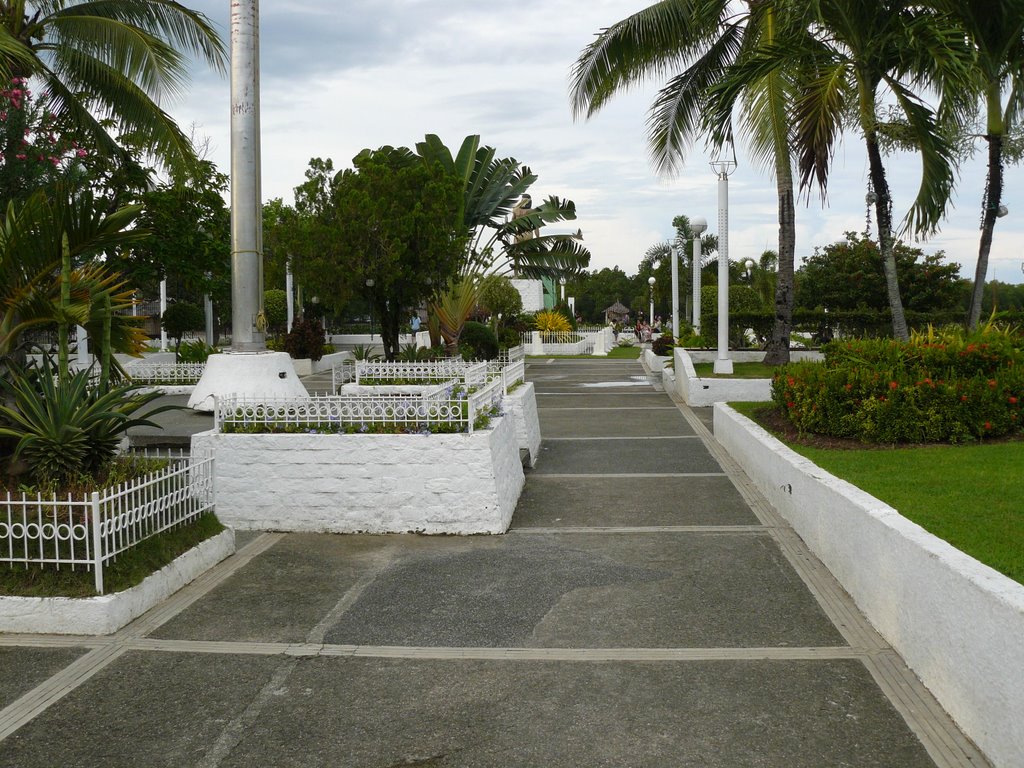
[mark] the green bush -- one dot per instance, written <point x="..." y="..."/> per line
<point x="306" y="339"/>
<point x="478" y="342"/>
<point x="180" y="318"/>
<point x="197" y="351"/>
<point x="508" y="337"/>
<point x="663" y="345"/>
<point x="877" y="390"/>
<point x="275" y="309"/>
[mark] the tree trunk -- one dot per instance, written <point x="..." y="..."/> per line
<point x="993" y="196"/>
<point x="389" y="325"/>
<point x="64" y="328"/>
<point x="883" y="211"/>
<point x="778" y="343"/>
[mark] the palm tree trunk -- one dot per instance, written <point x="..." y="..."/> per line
<point x="778" y="344"/>
<point x="883" y="211"/>
<point x="64" y="328"/>
<point x="993" y="196"/>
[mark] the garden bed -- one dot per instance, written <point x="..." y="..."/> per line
<point x="701" y="392"/>
<point x="463" y="483"/>
<point x="956" y="622"/>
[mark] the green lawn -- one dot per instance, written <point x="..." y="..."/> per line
<point x="969" y="495"/>
<point x="740" y="371"/>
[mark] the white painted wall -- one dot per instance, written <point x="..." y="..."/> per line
<point x="532" y="292"/>
<point x="521" y="404"/>
<point x="457" y="484"/>
<point x="957" y="623"/>
<point x="106" y="614"/>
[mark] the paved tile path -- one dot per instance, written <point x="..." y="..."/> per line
<point x="646" y="609"/>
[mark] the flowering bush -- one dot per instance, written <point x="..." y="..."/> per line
<point x="932" y="389"/>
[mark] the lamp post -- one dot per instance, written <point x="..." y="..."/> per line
<point x="650" y="317"/>
<point x="561" y="282"/>
<point x="675" y="292"/>
<point x="698" y="225"/>
<point x="723" y="165"/>
<point x="369" y="284"/>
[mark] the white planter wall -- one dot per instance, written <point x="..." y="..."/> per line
<point x="456" y="484"/>
<point x="521" y="404"/>
<point x="106" y="614"/>
<point x="958" y="624"/>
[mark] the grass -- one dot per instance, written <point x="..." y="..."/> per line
<point x="968" y="495"/>
<point x="129" y="569"/>
<point x="740" y="371"/>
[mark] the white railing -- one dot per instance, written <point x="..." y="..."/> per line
<point x="512" y="354"/>
<point x="561" y="342"/>
<point x="509" y="373"/>
<point x="92" y="530"/>
<point x="444" y="404"/>
<point x="165" y="373"/>
<point x="380" y="372"/>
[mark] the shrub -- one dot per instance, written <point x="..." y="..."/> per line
<point x="663" y="345"/>
<point x="306" y="339"/>
<point x="548" y="321"/>
<point x="478" y="342"/>
<point x="197" y="351"/>
<point x="180" y="318"/>
<point x="508" y="337"/>
<point x="945" y="389"/>
<point x="275" y="309"/>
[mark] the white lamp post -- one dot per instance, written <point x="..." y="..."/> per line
<point x="723" y="165"/>
<point x="650" y="317"/>
<point x="163" y="311"/>
<point x="289" y="288"/>
<point x="675" y="292"/>
<point x="698" y="225"/>
<point x="561" y="282"/>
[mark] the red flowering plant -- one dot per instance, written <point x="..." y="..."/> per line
<point x="928" y="390"/>
<point x="34" y="148"/>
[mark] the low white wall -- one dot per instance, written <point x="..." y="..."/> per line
<point x="655" y="363"/>
<point x="750" y="355"/>
<point x="521" y="404"/>
<point x="304" y="366"/>
<point x="459" y="484"/>
<point x="958" y="624"/>
<point x="106" y="614"/>
<point x="365" y="339"/>
<point x="700" y="392"/>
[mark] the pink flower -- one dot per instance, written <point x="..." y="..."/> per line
<point x="81" y="153"/>
<point x="20" y="156"/>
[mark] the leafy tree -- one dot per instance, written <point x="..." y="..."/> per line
<point x="499" y="297"/>
<point x="850" y="275"/>
<point x="193" y="247"/>
<point x="180" y="318"/>
<point x="597" y="290"/>
<point x="104" y="65"/>
<point x="393" y="221"/>
<point x="275" y="308"/>
<point x="707" y="40"/>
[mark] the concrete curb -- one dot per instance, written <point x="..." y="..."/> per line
<point x="957" y="623"/>
<point x="106" y="614"/>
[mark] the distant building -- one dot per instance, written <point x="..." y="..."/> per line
<point x="616" y="313"/>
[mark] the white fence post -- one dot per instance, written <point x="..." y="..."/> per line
<point x="97" y="543"/>
<point x="600" y="344"/>
<point x="536" y="346"/>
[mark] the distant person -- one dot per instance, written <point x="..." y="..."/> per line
<point x="415" y="323"/>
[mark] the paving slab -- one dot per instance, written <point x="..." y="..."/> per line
<point x="570" y="590"/>
<point x="364" y="713"/>
<point x="626" y="456"/>
<point x="567" y="502"/>
<point x="612" y="423"/>
<point x="641" y="399"/>
<point x="145" y="709"/>
<point x="22" y="669"/>
<point x="282" y="594"/>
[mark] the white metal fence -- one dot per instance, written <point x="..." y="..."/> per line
<point x="165" y="373"/>
<point x="382" y="372"/>
<point x="509" y="373"/>
<point x="512" y="354"/>
<point x="92" y="530"/>
<point x="444" y="405"/>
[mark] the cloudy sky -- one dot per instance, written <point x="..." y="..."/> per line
<point x="341" y="75"/>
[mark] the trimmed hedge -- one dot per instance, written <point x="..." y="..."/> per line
<point x="883" y="391"/>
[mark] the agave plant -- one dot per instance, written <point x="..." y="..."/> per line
<point x="365" y="352"/>
<point x="65" y="428"/>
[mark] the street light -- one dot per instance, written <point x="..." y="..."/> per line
<point x="650" y="317"/>
<point x="675" y="292"/>
<point x="748" y="266"/>
<point x="698" y="225"/>
<point x="561" y="281"/>
<point x="370" y="284"/>
<point x="723" y="165"/>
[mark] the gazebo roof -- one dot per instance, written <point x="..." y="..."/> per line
<point x="617" y="308"/>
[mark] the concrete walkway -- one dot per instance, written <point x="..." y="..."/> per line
<point x="646" y="609"/>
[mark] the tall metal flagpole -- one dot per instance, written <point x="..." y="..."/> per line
<point x="246" y="258"/>
<point x="248" y="369"/>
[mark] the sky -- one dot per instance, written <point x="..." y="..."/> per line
<point x="338" y="76"/>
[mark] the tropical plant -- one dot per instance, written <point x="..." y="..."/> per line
<point x="708" y="39"/>
<point x="306" y="339"/>
<point x="41" y="238"/>
<point x="197" y="351"/>
<point x="104" y="65"/>
<point x="994" y="33"/>
<point x="410" y="353"/>
<point x="549" y="321"/>
<point x="364" y="352"/>
<point x="453" y="307"/>
<point x="65" y="427"/>
<point x="854" y="54"/>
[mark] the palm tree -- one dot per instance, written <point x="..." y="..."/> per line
<point x="995" y="34"/>
<point x="98" y="62"/>
<point x="707" y="40"/>
<point x="852" y="52"/>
